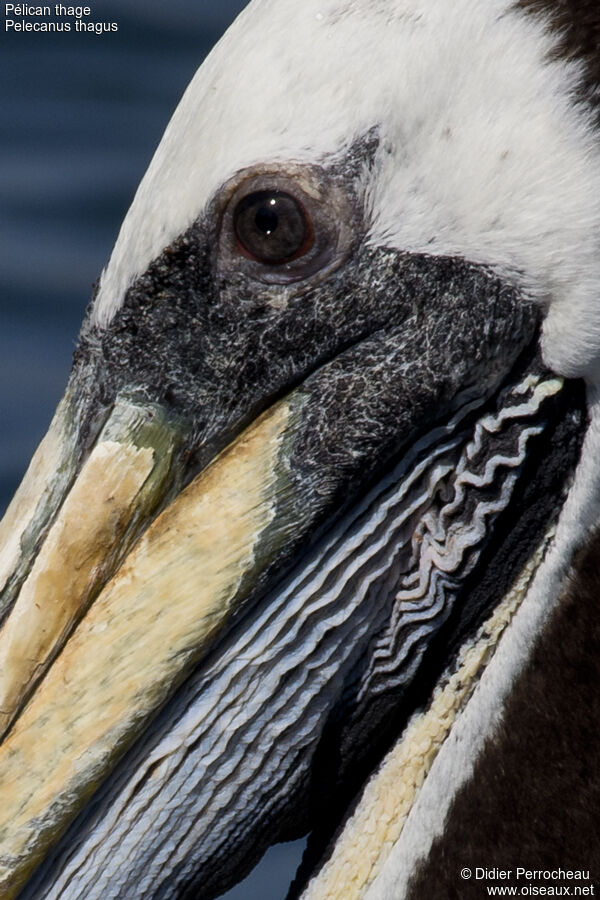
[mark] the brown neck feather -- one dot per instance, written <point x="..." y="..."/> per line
<point x="578" y="22"/>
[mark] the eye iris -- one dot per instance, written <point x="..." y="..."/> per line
<point x="272" y="227"/>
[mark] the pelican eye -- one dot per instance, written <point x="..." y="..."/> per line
<point x="283" y="225"/>
<point x="272" y="227"/>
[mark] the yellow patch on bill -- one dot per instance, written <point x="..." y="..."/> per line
<point x="92" y="519"/>
<point x="145" y="630"/>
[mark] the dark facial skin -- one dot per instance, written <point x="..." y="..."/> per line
<point x="382" y="345"/>
<point x="217" y="337"/>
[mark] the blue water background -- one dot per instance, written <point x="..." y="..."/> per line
<point x="81" y="116"/>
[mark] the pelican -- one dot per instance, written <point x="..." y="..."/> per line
<point x="310" y="544"/>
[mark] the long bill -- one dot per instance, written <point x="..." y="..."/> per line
<point x="141" y="634"/>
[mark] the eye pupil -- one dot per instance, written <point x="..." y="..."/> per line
<point x="272" y="227"/>
<point x="266" y="219"/>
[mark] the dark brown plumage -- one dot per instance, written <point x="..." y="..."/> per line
<point x="534" y="798"/>
<point x="579" y="24"/>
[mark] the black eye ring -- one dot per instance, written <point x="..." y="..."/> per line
<point x="272" y="227"/>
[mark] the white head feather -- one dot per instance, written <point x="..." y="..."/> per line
<point x="484" y="152"/>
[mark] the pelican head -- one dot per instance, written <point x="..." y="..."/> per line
<point x="327" y="449"/>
